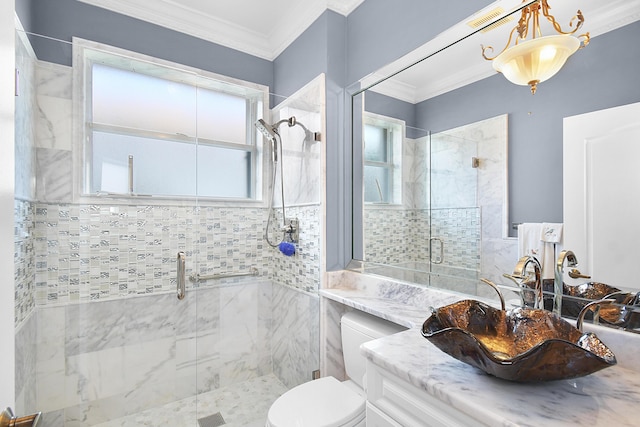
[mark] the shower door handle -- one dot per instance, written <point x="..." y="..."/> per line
<point x="181" y="278"/>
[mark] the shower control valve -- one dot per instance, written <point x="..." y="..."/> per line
<point x="291" y="228"/>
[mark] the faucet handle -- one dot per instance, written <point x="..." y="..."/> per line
<point x="516" y="279"/>
<point x="574" y="273"/>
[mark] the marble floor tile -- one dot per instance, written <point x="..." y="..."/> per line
<point x="241" y="405"/>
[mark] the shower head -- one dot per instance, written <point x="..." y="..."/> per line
<point x="267" y="131"/>
<point x="271" y="133"/>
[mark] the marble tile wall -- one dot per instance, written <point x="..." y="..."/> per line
<point x="54" y="135"/>
<point x="296" y="279"/>
<point x="303" y="173"/>
<point x="25" y="149"/>
<point x="96" y="252"/>
<point x="24" y="259"/>
<point x="295" y="335"/>
<point x="332" y="358"/>
<point x="25" y="123"/>
<point x="499" y="252"/>
<point x="390" y="235"/>
<point x="415" y="162"/>
<point x="459" y="229"/>
<point x="107" y="265"/>
<point x="102" y="360"/>
<point x="302" y="270"/>
<point x="26" y="344"/>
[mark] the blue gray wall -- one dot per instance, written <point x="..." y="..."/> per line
<point x="321" y="49"/>
<point x="391" y="107"/>
<point x="380" y="31"/>
<point x="64" y="19"/>
<point x="602" y="75"/>
<point x="315" y="51"/>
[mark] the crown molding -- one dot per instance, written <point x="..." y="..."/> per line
<point x="292" y="24"/>
<point x="395" y="89"/>
<point x="287" y="26"/>
<point x="454" y="81"/>
<point x="612" y="15"/>
<point x="415" y="94"/>
<point x="343" y="7"/>
<point x="174" y="16"/>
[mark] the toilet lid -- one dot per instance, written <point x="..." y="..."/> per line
<point x="322" y="402"/>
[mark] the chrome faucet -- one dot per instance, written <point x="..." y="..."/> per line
<point x="558" y="282"/>
<point x="558" y="279"/>
<point x="520" y="272"/>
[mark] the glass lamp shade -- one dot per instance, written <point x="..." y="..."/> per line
<point x="536" y="60"/>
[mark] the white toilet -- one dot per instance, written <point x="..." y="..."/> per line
<point x="327" y="402"/>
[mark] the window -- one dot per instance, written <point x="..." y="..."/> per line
<point x="382" y="159"/>
<point x="159" y="129"/>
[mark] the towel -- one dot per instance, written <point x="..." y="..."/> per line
<point x="551" y="235"/>
<point x="529" y="242"/>
<point x="551" y="232"/>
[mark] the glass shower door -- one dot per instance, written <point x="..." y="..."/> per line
<point x="104" y="334"/>
<point x="454" y="215"/>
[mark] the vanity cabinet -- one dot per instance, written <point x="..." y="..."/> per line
<point x="392" y="401"/>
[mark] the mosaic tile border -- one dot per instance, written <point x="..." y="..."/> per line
<point x="398" y="236"/>
<point x="94" y="252"/>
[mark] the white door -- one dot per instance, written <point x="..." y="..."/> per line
<point x="601" y="188"/>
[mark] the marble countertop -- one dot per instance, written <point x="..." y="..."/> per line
<point x="609" y="397"/>
<point x="605" y="398"/>
<point x="403" y="304"/>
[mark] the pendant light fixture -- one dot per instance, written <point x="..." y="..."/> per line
<point x="530" y="62"/>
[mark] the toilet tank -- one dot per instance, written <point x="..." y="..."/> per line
<point x="357" y="328"/>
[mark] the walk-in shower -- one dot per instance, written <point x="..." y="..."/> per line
<point x="289" y="228"/>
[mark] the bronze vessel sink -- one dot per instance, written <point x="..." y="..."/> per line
<point x="522" y="344"/>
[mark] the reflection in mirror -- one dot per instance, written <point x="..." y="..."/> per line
<point x="457" y="223"/>
<point x="449" y="179"/>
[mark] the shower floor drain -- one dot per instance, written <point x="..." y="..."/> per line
<point x="214" y="420"/>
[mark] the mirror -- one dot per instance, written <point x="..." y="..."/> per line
<point x="446" y="92"/>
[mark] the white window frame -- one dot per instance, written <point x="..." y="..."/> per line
<point x="85" y="53"/>
<point x="395" y="131"/>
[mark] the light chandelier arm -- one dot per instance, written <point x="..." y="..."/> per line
<point x="578" y="16"/>
<point x="490" y="48"/>
<point x="524" y="23"/>
<point x="585" y="40"/>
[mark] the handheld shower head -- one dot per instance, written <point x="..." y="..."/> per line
<point x="266" y="130"/>
<point x="271" y="134"/>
